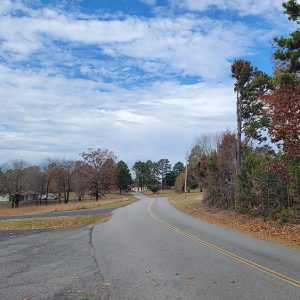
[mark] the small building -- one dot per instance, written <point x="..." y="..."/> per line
<point x="4" y="197"/>
<point x="30" y="196"/>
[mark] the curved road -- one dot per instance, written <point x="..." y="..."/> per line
<point x="144" y="258"/>
<point x="147" y="250"/>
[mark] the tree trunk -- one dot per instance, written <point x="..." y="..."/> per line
<point x="238" y="141"/>
<point x="97" y="191"/>
<point x="47" y="190"/>
<point x="239" y="132"/>
<point x="68" y="190"/>
<point x="17" y="199"/>
<point x="65" y="197"/>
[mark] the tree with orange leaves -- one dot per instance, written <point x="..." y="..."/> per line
<point x="284" y="113"/>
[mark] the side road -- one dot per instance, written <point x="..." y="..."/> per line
<point x="6" y="235"/>
<point x="61" y="214"/>
<point x="51" y="265"/>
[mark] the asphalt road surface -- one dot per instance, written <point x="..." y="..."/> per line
<point x="51" y="265"/>
<point x="142" y="258"/>
<point x="6" y="235"/>
<point x="70" y="213"/>
<point x="148" y="252"/>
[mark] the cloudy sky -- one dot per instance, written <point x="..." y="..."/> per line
<point x="143" y="78"/>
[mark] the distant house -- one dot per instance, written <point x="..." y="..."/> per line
<point x="30" y="196"/>
<point x="50" y="197"/>
<point x="4" y="197"/>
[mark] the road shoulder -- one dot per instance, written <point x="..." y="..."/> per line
<point x="269" y="230"/>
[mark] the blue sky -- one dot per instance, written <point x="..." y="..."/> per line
<point x="142" y="78"/>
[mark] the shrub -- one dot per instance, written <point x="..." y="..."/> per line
<point x="154" y="188"/>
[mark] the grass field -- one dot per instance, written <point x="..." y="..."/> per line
<point x="52" y="223"/>
<point x="112" y="200"/>
<point x="286" y="234"/>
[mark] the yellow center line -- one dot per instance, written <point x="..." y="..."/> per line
<point x="224" y="252"/>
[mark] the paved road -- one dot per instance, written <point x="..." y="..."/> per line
<point x="144" y="259"/>
<point x="61" y="214"/>
<point x="6" y="235"/>
<point x="134" y="256"/>
<point x="51" y="265"/>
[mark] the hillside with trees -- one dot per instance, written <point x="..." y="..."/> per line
<point x="156" y="175"/>
<point x="256" y="170"/>
<point x="93" y="175"/>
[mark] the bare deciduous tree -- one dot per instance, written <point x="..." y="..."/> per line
<point x="102" y="164"/>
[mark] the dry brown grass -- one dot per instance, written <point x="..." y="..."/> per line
<point x="111" y="200"/>
<point x="285" y="234"/>
<point x="53" y="223"/>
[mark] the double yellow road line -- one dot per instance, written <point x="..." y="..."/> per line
<point x="240" y="259"/>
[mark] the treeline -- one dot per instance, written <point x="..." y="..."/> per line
<point x="257" y="188"/>
<point x="156" y="175"/>
<point x="95" y="173"/>
<point x="257" y="169"/>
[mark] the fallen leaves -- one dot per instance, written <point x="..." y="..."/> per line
<point x="94" y="293"/>
<point x="106" y="284"/>
<point x="286" y="234"/>
<point x="156" y="283"/>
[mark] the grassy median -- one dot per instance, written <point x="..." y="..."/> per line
<point x="53" y="222"/>
<point x="111" y="200"/>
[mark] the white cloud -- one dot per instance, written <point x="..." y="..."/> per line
<point x="45" y="115"/>
<point x="244" y="7"/>
<point x="50" y="110"/>
<point x="193" y="46"/>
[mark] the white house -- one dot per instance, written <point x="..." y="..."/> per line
<point x="4" y="197"/>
